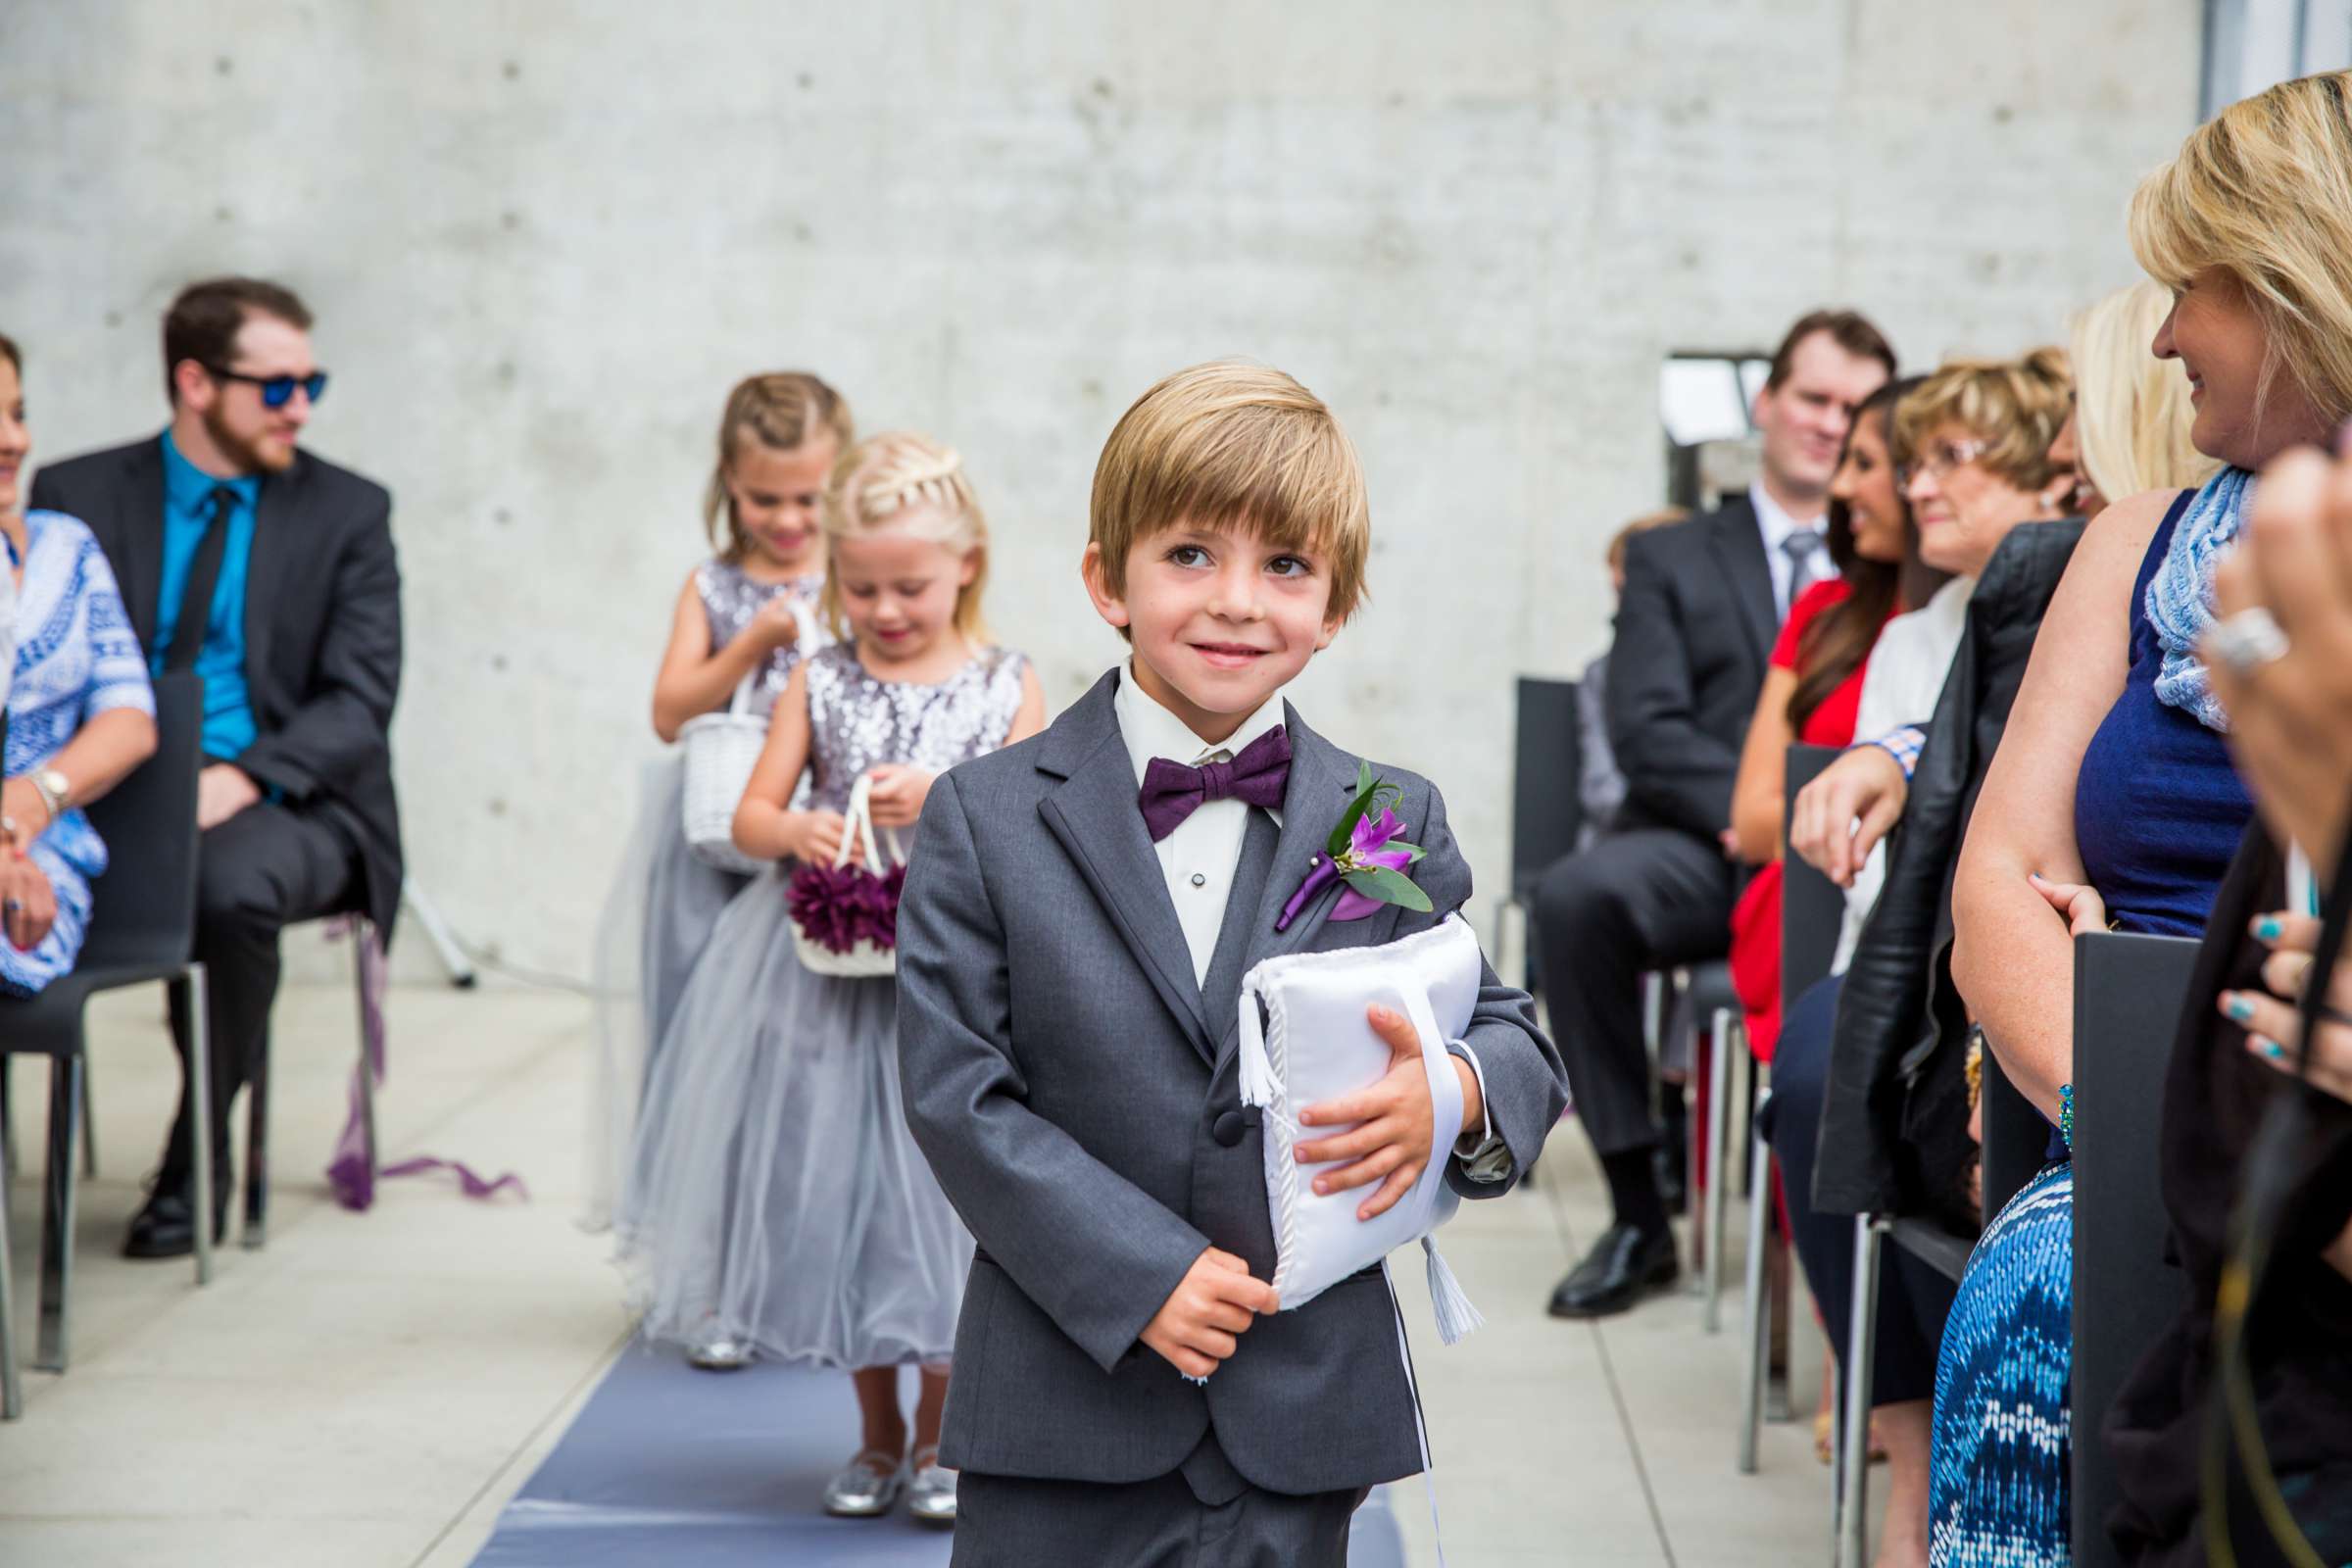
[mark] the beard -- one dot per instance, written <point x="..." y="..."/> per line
<point x="250" y="457"/>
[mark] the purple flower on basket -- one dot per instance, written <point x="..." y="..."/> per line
<point x="1367" y="851"/>
<point x="837" y="906"/>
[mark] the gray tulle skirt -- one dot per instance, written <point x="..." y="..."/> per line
<point x="657" y="918"/>
<point x="774" y="1194"/>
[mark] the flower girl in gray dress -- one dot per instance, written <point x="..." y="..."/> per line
<point x="739" y="615"/>
<point x="776" y="1195"/>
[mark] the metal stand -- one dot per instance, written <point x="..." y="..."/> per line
<point x="437" y="932"/>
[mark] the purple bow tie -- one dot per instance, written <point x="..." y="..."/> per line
<point x="1173" y="792"/>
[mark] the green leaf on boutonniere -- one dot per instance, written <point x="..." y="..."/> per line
<point x="1389" y="887"/>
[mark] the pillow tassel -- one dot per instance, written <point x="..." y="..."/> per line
<point x="1455" y="1313"/>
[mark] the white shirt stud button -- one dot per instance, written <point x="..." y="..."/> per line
<point x="1199" y="880"/>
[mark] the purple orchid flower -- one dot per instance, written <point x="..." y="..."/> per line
<point x="1374" y="844"/>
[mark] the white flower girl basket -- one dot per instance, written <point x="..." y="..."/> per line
<point x="721" y="750"/>
<point x="1314" y="1043"/>
<point x="866" y="959"/>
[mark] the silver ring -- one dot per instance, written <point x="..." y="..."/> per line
<point x="2249" y="640"/>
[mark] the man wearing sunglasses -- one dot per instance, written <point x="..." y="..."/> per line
<point x="270" y="573"/>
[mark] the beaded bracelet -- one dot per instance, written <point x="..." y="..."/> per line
<point x="2065" y="1113"/>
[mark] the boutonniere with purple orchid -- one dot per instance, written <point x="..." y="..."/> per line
<point x="1366" y="852"/>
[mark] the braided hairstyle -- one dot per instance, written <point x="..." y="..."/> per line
<point x="909" y="485"/>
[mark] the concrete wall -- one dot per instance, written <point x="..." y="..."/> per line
<point x="541" y="240"/>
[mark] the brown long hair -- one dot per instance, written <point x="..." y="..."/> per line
<point x="1841" y="637"/>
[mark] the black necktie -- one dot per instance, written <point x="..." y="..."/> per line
<point x="204" y="575"/>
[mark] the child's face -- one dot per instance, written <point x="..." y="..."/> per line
<point x="898" y="593"/>
<point x="774" y="492"/>
<point x="1220" y="620"/>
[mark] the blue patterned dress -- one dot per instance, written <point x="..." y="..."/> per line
<point x="75" y="657"/>
<point x="2158" y="815"/>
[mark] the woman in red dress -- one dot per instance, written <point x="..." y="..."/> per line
<point x="1815" y="682"/>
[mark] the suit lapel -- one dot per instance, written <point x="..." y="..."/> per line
<point x="264" y="569"/>
<point x="138" y="524"/>
<point x="1738" y="541"/>
<point x="1094" y="816"/>
<point x="1322" y="781"/>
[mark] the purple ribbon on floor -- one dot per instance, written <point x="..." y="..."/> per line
<point x="350" y="1172"/>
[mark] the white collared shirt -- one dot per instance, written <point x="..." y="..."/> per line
<point x="1201" y="854"/>
<point x="1200" y="857"/>
<point x="1775" y="523"/>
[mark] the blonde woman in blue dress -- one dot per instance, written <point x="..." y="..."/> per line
<point x="777" y="1198"/>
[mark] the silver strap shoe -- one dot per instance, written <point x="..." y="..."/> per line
<point x="931" y="1495"/>
<point x="869" y="1489"/>
<point x="715" y="1352"/>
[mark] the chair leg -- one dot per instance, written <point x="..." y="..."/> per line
<point x="1758" y="1300"/>
<point x="58" y="1188"/>
<point x="8" y="1119"/>
<point x="364" y="953"/>
<point x="89" y="1127"/>
<point x="1718" y="1138"/>
<point x="1854" y="1434"/>
<point x="11" y="1378"/>
<point x="200" y="1119"/>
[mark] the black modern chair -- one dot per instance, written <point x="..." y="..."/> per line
<point x="2015" y="1147"/>
<point x="1546" y="812"/>
<point x="142" y="928"/>
<point x="2128" y="995"/>
<point x="1812" y="915"/>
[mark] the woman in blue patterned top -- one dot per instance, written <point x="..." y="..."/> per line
<point x="2112" y="799"/>
<point x="80" y="715"/>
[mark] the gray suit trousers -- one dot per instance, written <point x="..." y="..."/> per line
<point x="1201" y="1515"/>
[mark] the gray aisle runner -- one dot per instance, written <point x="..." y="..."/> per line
<point x="665" y="1464"/>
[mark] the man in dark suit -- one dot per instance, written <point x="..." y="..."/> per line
<point x="270" y="574"/>
<point x="1702" y="603"/>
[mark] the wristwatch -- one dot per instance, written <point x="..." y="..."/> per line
<point x="54" y="790"/>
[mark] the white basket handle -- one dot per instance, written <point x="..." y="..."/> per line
<point x="804" y="632"/>
<point x="858" y="826"/>
<point x="740" y="704"/>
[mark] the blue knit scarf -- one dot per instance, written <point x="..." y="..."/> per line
<point x="2179" y="603"/>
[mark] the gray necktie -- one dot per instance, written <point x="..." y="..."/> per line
<point x="1808" y="561"/>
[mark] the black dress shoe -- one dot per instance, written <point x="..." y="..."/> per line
<point x="1674" y="1185"/>
<point x="1624" y="1266"/>
<point x="166" y="1227"/>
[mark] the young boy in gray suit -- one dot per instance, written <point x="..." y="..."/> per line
<point x="1078" y="914"/>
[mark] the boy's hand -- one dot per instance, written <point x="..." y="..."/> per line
<point x="1201" y="1322"/>
<point x="1395" y="1121"/>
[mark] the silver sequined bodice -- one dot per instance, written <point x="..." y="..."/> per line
<point x="731" y="596"/>
<point x="857" y="722"/>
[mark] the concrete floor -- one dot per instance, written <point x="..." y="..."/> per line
<point x="370" y="1389"/>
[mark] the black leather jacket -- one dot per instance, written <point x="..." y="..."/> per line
<point x="1894" y="1120"/>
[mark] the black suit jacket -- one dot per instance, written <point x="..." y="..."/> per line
<point x="1695" y="631"/>
<point x="321" y="629"/>
<point x="1894" y="1119"/>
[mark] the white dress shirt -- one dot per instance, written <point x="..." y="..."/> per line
<point x="1201" y="854"/>
<point x="1775" y="523"/>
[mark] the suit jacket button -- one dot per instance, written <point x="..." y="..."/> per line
<point x="1227" y="1129"/>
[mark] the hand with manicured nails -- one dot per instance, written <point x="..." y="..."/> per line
<point x="2079" y="903"/>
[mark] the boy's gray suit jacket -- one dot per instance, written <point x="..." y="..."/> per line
<point x="1074" y="1091"/>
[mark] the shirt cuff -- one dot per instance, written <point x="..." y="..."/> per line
<point x="1484" y="1156"/>
<point x="1903" y="744"/>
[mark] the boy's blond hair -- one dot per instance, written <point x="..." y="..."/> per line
<point x="1232" y="442"/>
<point x="906" y="484"/>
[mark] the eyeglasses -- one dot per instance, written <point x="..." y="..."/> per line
<point x="1940" y="459"/>
<point x="276" y="390"/>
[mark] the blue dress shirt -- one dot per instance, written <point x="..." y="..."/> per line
<point x="228" y="727"/>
